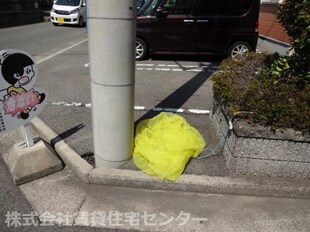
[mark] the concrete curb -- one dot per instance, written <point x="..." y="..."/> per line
<point x="192" y="183"/>
<point x="69" y="156"/>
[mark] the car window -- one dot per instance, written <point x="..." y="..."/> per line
<point x="68" y="2"/>
<point x="148" y="7"/>
<point x="177" y="6"/>
<point x="141" y="3"/>
<point x="221" y="7"/>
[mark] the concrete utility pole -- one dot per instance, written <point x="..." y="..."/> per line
<point x="111" y="39"/>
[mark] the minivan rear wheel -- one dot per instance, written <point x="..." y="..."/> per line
<point x="238" y="49"/>
<point x="141" y="49"/>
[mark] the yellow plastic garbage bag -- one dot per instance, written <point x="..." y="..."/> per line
<point x="164" y="144"/>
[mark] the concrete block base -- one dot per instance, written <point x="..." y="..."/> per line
<point x="30" y="163"/>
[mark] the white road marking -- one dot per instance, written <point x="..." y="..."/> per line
<point x="174" y="110"/>
<point x="88" y="105"/>
<point x="170" y="67"/>
<point x="196" y="111"/>
<point x="200" y="219"/>
<point x="67" y="104"/>
<point x="145" y="64"/>
<point x="162" y="69"/>
<point x="139" y="108"/>
<point x="194" y="70"/>
<point x="61" y="51"/>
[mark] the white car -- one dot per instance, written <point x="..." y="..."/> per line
<point x="69" y="12"/>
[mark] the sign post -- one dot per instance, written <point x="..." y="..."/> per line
<point x="27" y="136"/>
<point x="20" y="102"/>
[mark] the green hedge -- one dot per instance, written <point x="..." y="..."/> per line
<point x="271" y="89"/>
<point x="256" y="88"/>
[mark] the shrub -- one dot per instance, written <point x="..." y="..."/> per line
<point x="271" y="89"/>
<point x="295" y="18"/>
<point x="252" y="88"/>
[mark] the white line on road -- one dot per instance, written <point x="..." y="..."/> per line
<point x="162" y="69"/>
<point x="145" y="64"/>
<point x="200" y="219"/>
<point x="194" y="70"/>
<point x="169" y="67"/>
<point x="196" y="111"/>
<point x="139" y="108"/>
<point x="61" y="51"/>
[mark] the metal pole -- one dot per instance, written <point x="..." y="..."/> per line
<point x="111" y="41"/>
<point x="27" y="136"/>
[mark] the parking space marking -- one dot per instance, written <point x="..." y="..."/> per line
<point x="162" y="69"/>
<point x="171" y="67"/>
<point x="60" y="51"/>
<point x="145" y="64"/>
<point x="139" y="108"/>
<point x="175" y="68"/>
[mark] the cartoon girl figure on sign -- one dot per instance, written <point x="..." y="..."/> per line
<point x="17" y="77"/>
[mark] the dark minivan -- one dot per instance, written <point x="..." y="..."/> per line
<point x="228" y="27"/>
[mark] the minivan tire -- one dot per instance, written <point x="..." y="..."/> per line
<point x="81" y="22"/>
<point x="238" y="48"/>
<point x="141" y="49"/>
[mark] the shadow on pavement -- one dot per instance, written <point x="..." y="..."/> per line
<point x="66" y="134"/>
<point x="178" y="97"/>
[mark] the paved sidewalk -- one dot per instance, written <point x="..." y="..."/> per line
<point x="150" y="210"/>
<point x="146" y="210"/>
